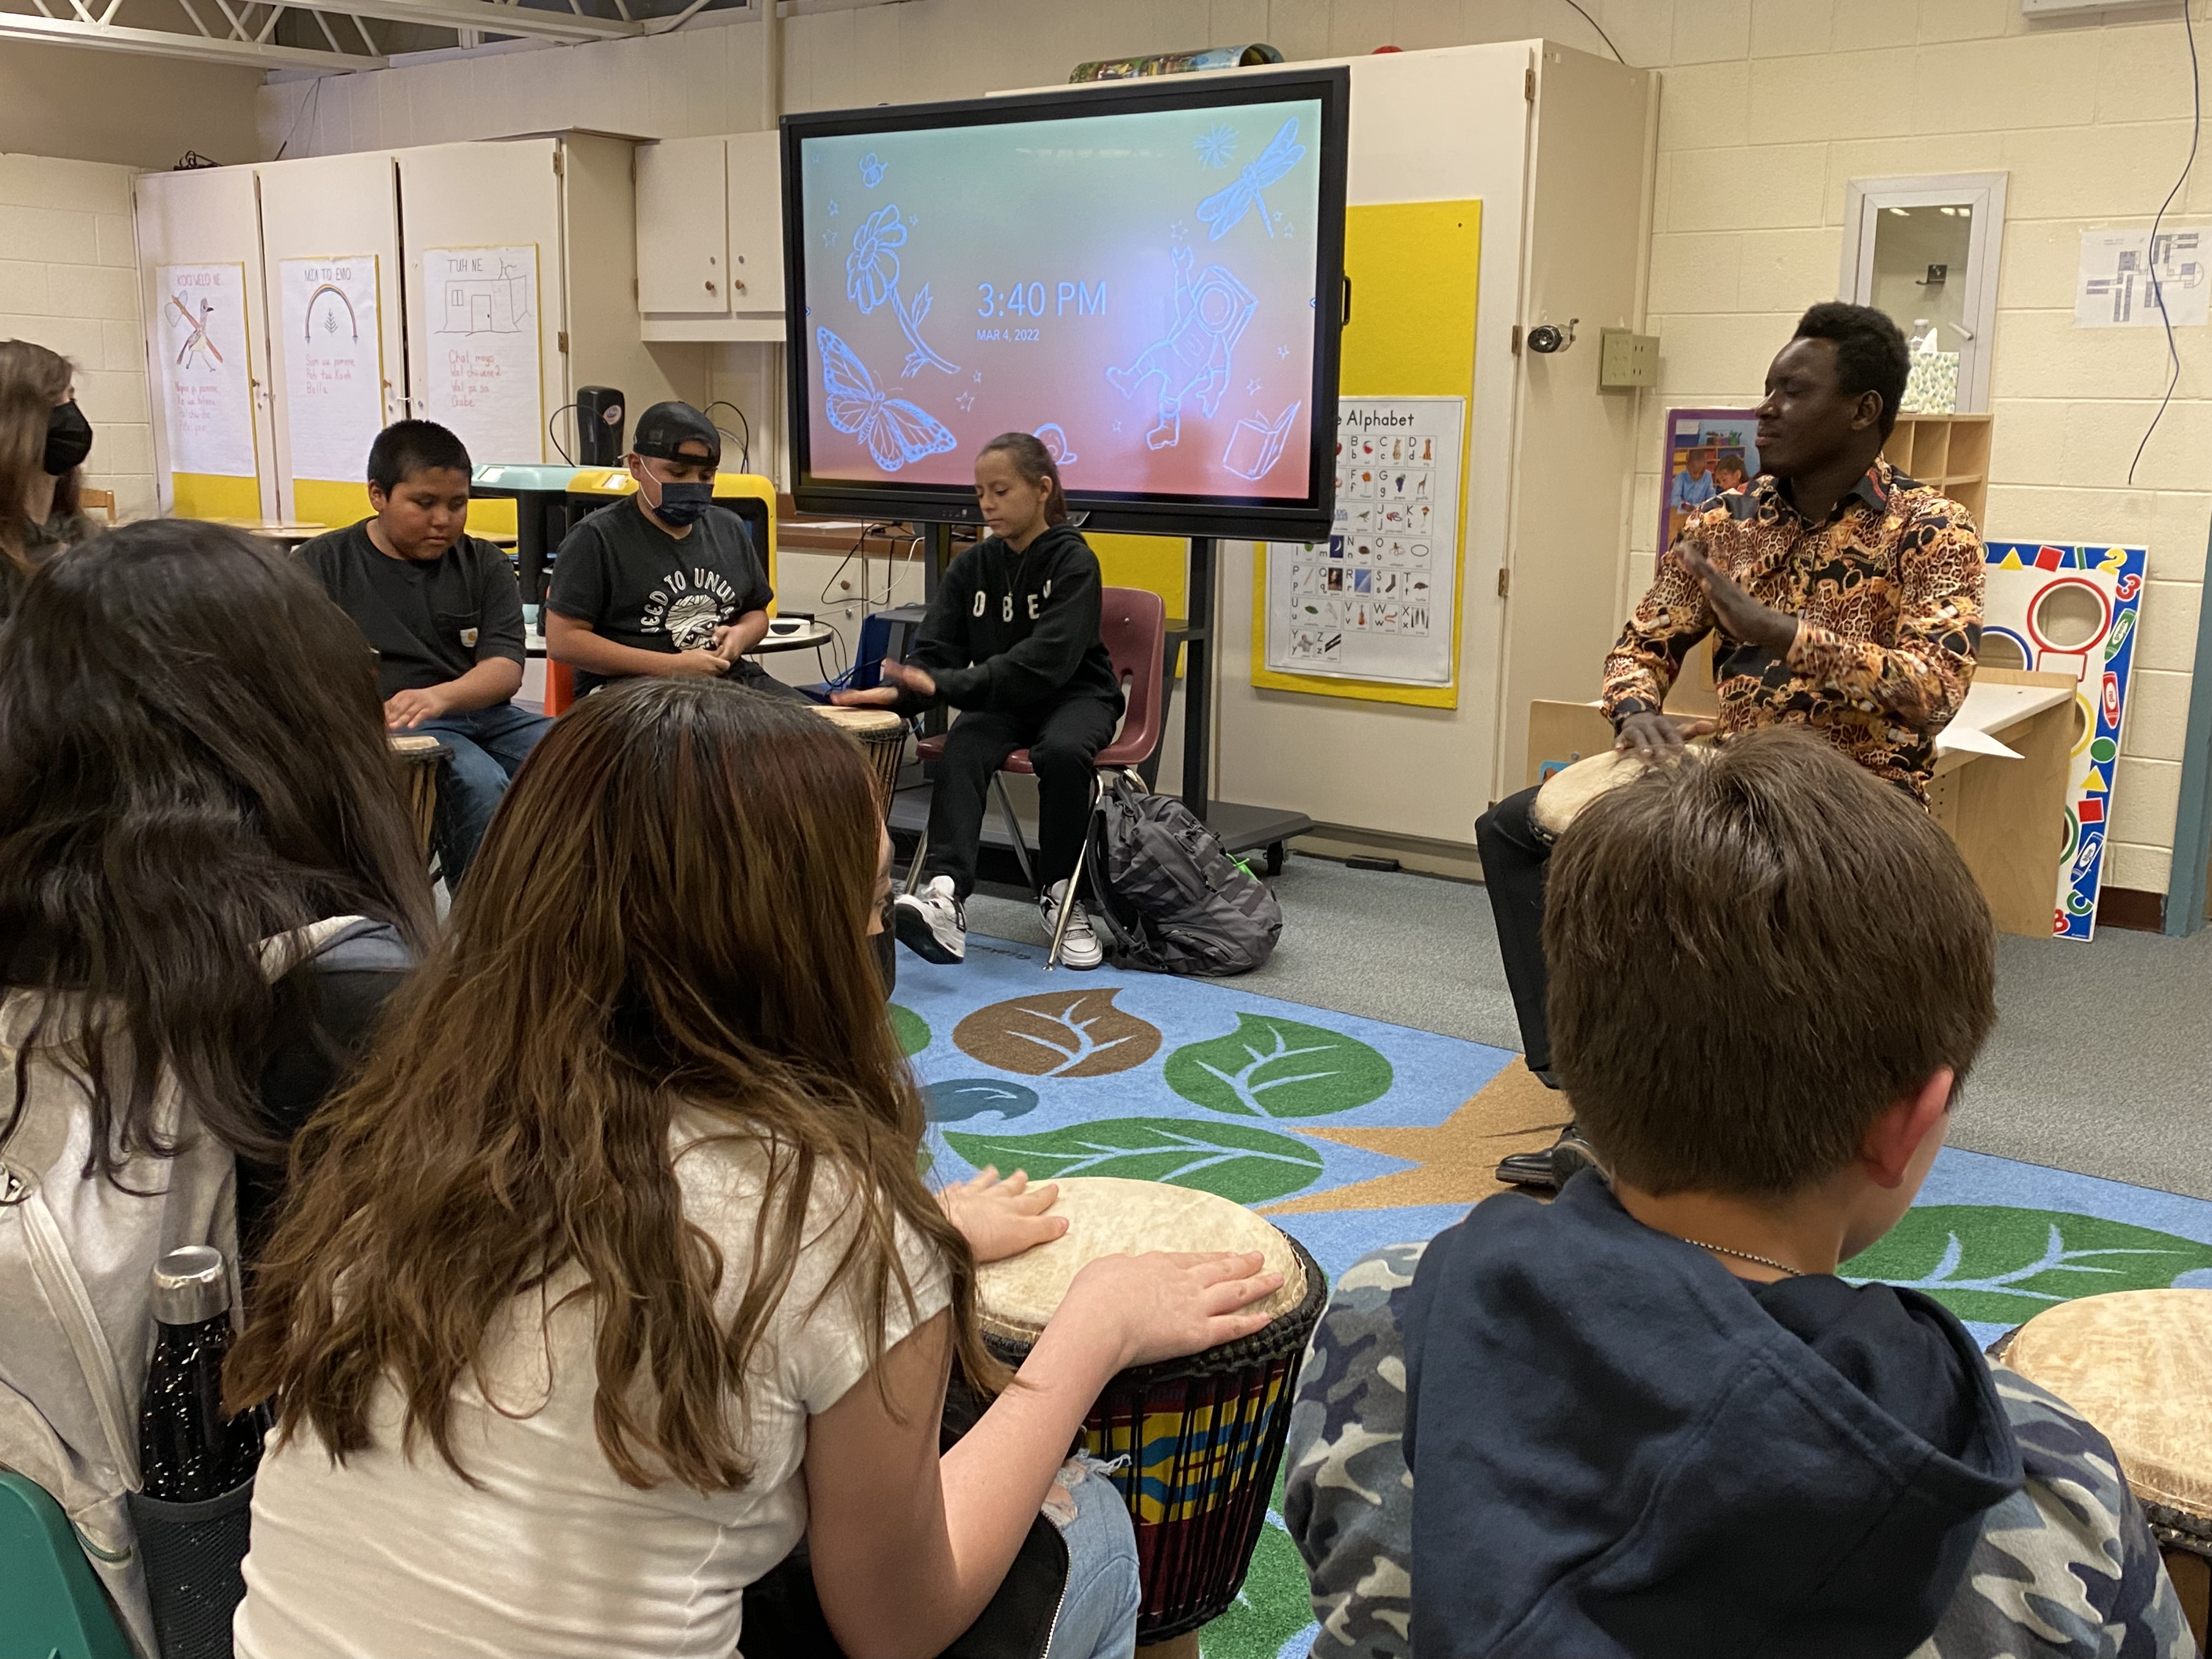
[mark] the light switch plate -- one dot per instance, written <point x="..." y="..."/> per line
<point x="1626" y="360"/>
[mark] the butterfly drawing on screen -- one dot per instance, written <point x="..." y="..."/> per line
<point x="897" y="433"/>
<point x="1225" y="208"/>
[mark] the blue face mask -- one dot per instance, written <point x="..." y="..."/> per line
<point x="682" y="504"/>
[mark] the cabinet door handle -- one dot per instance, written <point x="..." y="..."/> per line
<point x="710" y="288"/>
<point x="739" y="285"/>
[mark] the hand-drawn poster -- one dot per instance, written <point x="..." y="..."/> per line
<point x="333" y="364"/>
<point x="1378" y="600"/>
<point x="207" y="385"/>
<point x="482" y="351"/>
<point x="2071" y="610"/>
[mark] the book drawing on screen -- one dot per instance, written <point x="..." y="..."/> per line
<point x="1255" y="448"/>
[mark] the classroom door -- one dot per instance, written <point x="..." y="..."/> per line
<point x="199" y="273"/>
<point x="486" y="300"/>
<point x="329" y="234"/>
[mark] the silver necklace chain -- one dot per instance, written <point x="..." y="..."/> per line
<point x="1745" y="1255"/>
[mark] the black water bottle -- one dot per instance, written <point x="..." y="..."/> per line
<point x="188" y="1450"/>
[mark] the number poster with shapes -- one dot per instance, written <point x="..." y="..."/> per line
<point x="207" y="384"/>
<point x="1378" y="600"/>
<point x="483" y="328"/>
<point x="333" y="364"/>
<point x="2071" y="609"/>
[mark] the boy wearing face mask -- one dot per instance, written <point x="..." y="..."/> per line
<point x="668" y="583"/>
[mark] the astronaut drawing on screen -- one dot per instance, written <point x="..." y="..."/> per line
<point x="1211" y="314"/>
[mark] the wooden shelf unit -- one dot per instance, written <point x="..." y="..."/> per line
<point x="1950" y="452"/>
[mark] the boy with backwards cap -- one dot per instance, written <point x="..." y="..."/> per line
<point x="669" y="584"/>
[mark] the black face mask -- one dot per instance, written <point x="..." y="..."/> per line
<point x="685" y="503"/>
<point x="68" y="440"/>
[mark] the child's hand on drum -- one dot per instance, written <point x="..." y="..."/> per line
<point x="1167" y="1304"/>
<point x="1002" y="1219"/>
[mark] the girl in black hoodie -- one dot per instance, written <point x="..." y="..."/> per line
<point x="1012" y="641"/>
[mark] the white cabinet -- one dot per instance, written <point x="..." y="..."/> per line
<point x="682" y="227"/>
<point x="710" y="238"/>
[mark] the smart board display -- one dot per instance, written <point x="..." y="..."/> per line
<point x="1147" y="278"/>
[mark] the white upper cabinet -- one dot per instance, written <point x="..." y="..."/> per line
<point x="682" y="227"/>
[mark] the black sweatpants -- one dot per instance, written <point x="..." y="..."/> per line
<point x="1514" y="857"/>
<point x="1061" y="738"/>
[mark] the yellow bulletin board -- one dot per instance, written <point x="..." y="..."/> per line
<point x="1158" y="564"/>
<point x="1414" y="271"/>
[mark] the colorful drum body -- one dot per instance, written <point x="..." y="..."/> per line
<point x="1567" y="791"/>
<point x="1203" y="1435"/>
<point x="2133" y="1362"/>
<point x="881" y="734"/>
<point x="419" y="756"/>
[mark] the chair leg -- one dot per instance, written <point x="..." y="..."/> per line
<point x="914" y="870"/>
<point x="1074" y="886"/>
<point x="1014" y="830"/>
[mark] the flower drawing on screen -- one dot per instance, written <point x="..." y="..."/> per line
<point x="1215" y="146"/>
<point x="1053" y="437"/>
<point x="1211" y="314"/>
<point x="1225" y="209"/>
<point x="896" y="432"/>
<point x="871" y="280"/>
<point x="1254" y="446"/>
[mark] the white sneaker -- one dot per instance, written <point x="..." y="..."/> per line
<point x="931" y="923"/>
<point x="1078" y="946"/>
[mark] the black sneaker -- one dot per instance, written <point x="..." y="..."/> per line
<point x="1550" y="1169"/>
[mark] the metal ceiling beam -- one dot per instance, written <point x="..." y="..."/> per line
<point x="491" y="19"/>
<point x="166" y="43"/>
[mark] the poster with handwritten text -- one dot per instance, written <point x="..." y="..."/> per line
<point x="207" y="385"/>
<point x="481" y="328"/>
<point x="333" y="364"/>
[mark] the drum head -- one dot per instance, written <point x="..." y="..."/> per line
<point x="2132" y="1362"/>
<point x="863" y="723"/>
<point x="1566" y="793"/>
<point x="1110" y="1217"/>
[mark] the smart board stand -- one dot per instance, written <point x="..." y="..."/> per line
<point x="1242" y="829"/>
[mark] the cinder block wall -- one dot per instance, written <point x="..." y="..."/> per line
<point x="69" y="280"/>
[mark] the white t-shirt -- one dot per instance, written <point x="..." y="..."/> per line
<point x="393" y="1557"/>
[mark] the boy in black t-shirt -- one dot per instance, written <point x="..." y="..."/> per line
<point x="444" y="614"/>
<point x="668" y="585"/>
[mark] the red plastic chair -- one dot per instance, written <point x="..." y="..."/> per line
<point x="1132" y="624"/>
<point x="560" y="688"/>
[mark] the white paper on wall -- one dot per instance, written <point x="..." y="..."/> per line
<point x="207" y="385"/>
<point x="481" y="306"/>
<point x="1378" y="600"/>
<point x="2113" y="286"/>
<point x="333" y="364"/>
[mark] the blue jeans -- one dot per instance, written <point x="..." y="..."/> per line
<point x="489" y="744"/>
<point x="1098" y="1610"/>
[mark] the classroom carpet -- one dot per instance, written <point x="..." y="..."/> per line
<point x="1351" y="1133"/>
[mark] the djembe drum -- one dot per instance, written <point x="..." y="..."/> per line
<point x="1568" y="791"/>
<point x="881" y="734"/>
<point x="420" y="756"/>
<point x="1203" y="1435"/>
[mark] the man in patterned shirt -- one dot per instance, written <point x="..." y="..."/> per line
<point x="1843" y="596"/>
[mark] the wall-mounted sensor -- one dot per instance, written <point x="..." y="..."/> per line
<point x="1548" y="337"/>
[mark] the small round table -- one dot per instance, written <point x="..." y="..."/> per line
<point x="810" y="635"/>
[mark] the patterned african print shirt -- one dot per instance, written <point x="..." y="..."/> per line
<point x="2066" y="1568"/>
<point x="1888" y="595"/>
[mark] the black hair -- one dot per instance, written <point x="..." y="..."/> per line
<point x="1870" y="352"/>
<point x="407" y="447"/>
<point x="1034" y="463"/>
<point x="187" y="767"/>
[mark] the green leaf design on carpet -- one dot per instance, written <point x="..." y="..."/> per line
<point x="1249" y="1165"/>
<point x="2004" y="1266"/>
<point x="1274" y="1067"/>
<point x="913" y="1030"/>
<point x="1058" y="1034"/>
<point x="1273" y="1606"/>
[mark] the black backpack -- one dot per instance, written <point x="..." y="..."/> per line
<point x="1170" y="893"/>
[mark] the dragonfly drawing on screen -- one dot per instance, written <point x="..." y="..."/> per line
<point x="1225" y="208"/>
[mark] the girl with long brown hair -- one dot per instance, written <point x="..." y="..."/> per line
<point x="44" y="439"/>
<point x="614" y="1273"/>
<point x="1012" y="639"/>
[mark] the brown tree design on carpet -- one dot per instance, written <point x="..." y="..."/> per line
<point x="1058" y="1034"/>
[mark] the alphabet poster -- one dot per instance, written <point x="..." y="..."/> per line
<point x="2071" y="610"/>
<point x="333" y="364"/>
<point x="481" y="323"/>
<point x="207" y="385"/>
<point x="1378" y="600"/>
